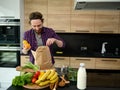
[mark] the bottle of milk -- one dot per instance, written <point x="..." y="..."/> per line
<point x="81" y="77"/>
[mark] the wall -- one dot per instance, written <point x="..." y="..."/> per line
<point x="84" y="43"/>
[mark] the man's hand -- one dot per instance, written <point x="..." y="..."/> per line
<point x="50" y="41"/>
<point x="26" y="47"/>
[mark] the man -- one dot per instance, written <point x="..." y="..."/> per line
<point x="39" y="35"/>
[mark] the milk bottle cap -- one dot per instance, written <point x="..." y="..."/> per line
<point x="82" y="64"/>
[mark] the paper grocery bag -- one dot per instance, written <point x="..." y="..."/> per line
<point x="42" y="57"/>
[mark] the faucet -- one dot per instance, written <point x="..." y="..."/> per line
<point x="103" y="47"/>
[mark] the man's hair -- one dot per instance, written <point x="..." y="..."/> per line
<point x="36" y="15"/>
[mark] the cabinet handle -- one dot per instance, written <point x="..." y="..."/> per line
<point x="110" y="60"/>
<point x="27" y="57"/>
<point x="59" y="58"/>
<point x="84" y="59"/>
<point x="106" y="74"/>
<point x="106" y="31"/>
<point x="60" y="30"/>
<point x="82" y="31"/>
<point x="7" y="17"/>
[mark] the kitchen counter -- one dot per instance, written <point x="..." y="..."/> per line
<point x="70" y="87"/>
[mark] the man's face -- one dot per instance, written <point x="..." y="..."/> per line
<point x="37" y="24"/>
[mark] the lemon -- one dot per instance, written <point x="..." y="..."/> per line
<point x="25" y="42"/>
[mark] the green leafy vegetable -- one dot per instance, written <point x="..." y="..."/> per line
<point x="31" y="66"/>
<point x="22" y="79"/>
<point x="18" y="81"/>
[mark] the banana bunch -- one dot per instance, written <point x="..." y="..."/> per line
<point x="47" y="77"/>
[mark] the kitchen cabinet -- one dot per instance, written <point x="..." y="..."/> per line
<point x="60" y="61"/>
<point x="59" y="7"/>
<point x="107" y="63"/>
<point x="24" y="59"/>
<point x="10" y="9"/>
<point x="101" y="79"/>
<point x="119" y="23"/>
<point x="59" y="22"/>
<point x="62" y="17"/>
<point x="89" y="62"/>
<point x="106" y="21"/>
<point x="82" y="23"/>
<point x="59" y="15"/>
<point x="34" y="5"/>
<point x="117" y="80"/>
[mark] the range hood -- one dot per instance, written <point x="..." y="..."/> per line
<point x="97" y="5"/>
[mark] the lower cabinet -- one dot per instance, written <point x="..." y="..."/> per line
<point x="60" y="61"/>
<point x="24" y="59"/>
<point x="117" y="80"/>
<point x="89" y="62"/>
<point x="107" y="63"/>
<point x="102" y="79"/>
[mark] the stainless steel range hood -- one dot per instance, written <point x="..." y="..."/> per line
<point x="97" y="5"/>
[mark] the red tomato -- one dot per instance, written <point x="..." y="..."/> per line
<point x="37" y="73"/>
<point x="33" y="80"/>
<point x="35" y="76"/>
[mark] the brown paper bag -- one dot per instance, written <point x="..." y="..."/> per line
<point x="42" y="57"/>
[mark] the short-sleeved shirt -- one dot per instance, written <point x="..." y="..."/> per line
<point x="45" y="34"/>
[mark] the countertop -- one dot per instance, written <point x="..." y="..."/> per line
<point x="69" y="87"/>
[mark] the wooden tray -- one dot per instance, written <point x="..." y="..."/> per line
<point x="34" y="86"/>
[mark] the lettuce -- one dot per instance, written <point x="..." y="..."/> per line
<point x="22" y="79"/>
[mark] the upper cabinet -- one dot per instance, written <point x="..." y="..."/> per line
<point x="82" y="22"/>
<point x="32" y="6"/>
<point x="119" y="23"/>
<point x="59" y="6"/>
<point x="10" y="9"/>
<point x="59" y="15"/>
<point x="59" y="22"/>
<point x="62" y="17"/>
<point x="107" y="21"/>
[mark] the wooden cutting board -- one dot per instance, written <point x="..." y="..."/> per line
<point x="34" y="86"/>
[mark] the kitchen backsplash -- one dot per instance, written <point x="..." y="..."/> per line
<point x="87" y="43"/>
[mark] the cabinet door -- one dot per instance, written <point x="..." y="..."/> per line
<point x="117" y="81"/>
<point x="102" y="79"/>
<point x="59" y="15"/>
<point x="10" y="9"/>
<point x="32" y="6"/>
<point x="24" y="59"/>
<point x="89" y="62"/>
<point x="82" y="23"/>
<point x="60" y="61"/>
<point x="108" y="63"/>
<point x="106" y="21"/>
<point x="59" y="22"/>
<point x="59" y="6"/>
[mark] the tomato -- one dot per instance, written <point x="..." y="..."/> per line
<point x="35" y="76"/>
<point x="37" y="73"/>
<point x="33" y="80"/>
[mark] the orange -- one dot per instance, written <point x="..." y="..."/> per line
<point x="27" y="46"/>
